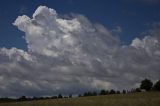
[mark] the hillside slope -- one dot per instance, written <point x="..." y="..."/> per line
<point x="135" y="99"/>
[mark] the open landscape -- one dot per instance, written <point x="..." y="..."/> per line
<point x="79" y="52"/>
<point x="132" y="99"/>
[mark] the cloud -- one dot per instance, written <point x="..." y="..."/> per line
<point x="74" y="55"/>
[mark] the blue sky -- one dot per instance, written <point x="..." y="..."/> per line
<point x="133" y="17"/>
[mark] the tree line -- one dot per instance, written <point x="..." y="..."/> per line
<point x="145" y="86"/>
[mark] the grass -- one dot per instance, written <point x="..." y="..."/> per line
<point x="135" y="99"/>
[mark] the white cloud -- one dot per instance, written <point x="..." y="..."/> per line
<point x="16" y="54"/>
<point x="148" y="43"/>
<point x="136" y="43"/>
<point x="74" y="55"/>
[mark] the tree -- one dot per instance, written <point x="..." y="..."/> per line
<point x="112" y="91"/>
<point x="87" y="94"/>
<point x="157" y="86"/>
<point x="79" y="95"/>
<point x="60" y="96"/>
<point x="54" y="97"/>
<point x="146" y="84"/>
<point x="22" y="98"/>
<point x="124" y="91"/>
<point x="102" y="92"/>
<point x="118" y="92"/>
<point x="137" y="90"/>
<point x="94" y="93"/>
<point x="70" y="95"/>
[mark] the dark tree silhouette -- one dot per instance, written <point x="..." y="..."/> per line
<point x="124" y="91"/>
<point x="118" y="92"/>
<point x="157" y="86"/>
<point x="137" y="90"/>
<point x="3" y="100"/>
<point x="112" y="91"/>
<point x="54" y="97"/>
<point x="79" y="95"/>
<point x="146" y="84"/>
<point x="60" y="96"/>
<point x="70" y="95"/>
<point x="22" y="98"/>
<point x="102" y="92"/>
<point x="94" y="93"/>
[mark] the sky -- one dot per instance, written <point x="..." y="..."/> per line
<point x="130" y="15"/>
<point x="49" y="47"/>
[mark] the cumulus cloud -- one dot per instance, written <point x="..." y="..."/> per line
<point x="74" y="55"/>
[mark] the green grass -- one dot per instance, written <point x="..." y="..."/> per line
<point x="135" y="99"/>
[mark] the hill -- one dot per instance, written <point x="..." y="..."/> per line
<point x="132" y="99"/>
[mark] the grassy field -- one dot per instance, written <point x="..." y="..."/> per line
<point x="135" y="99"/>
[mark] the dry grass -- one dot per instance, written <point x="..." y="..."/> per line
<point x="136" y="99"/>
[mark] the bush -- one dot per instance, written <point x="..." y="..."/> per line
<point x="112" y="91"/>
<point x="60" y="96"/>
<point x="157" y="86"/>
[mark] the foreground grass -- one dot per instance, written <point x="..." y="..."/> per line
<point x="135" y="99"/>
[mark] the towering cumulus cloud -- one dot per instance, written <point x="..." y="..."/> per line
<point x="74" y="55"/>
